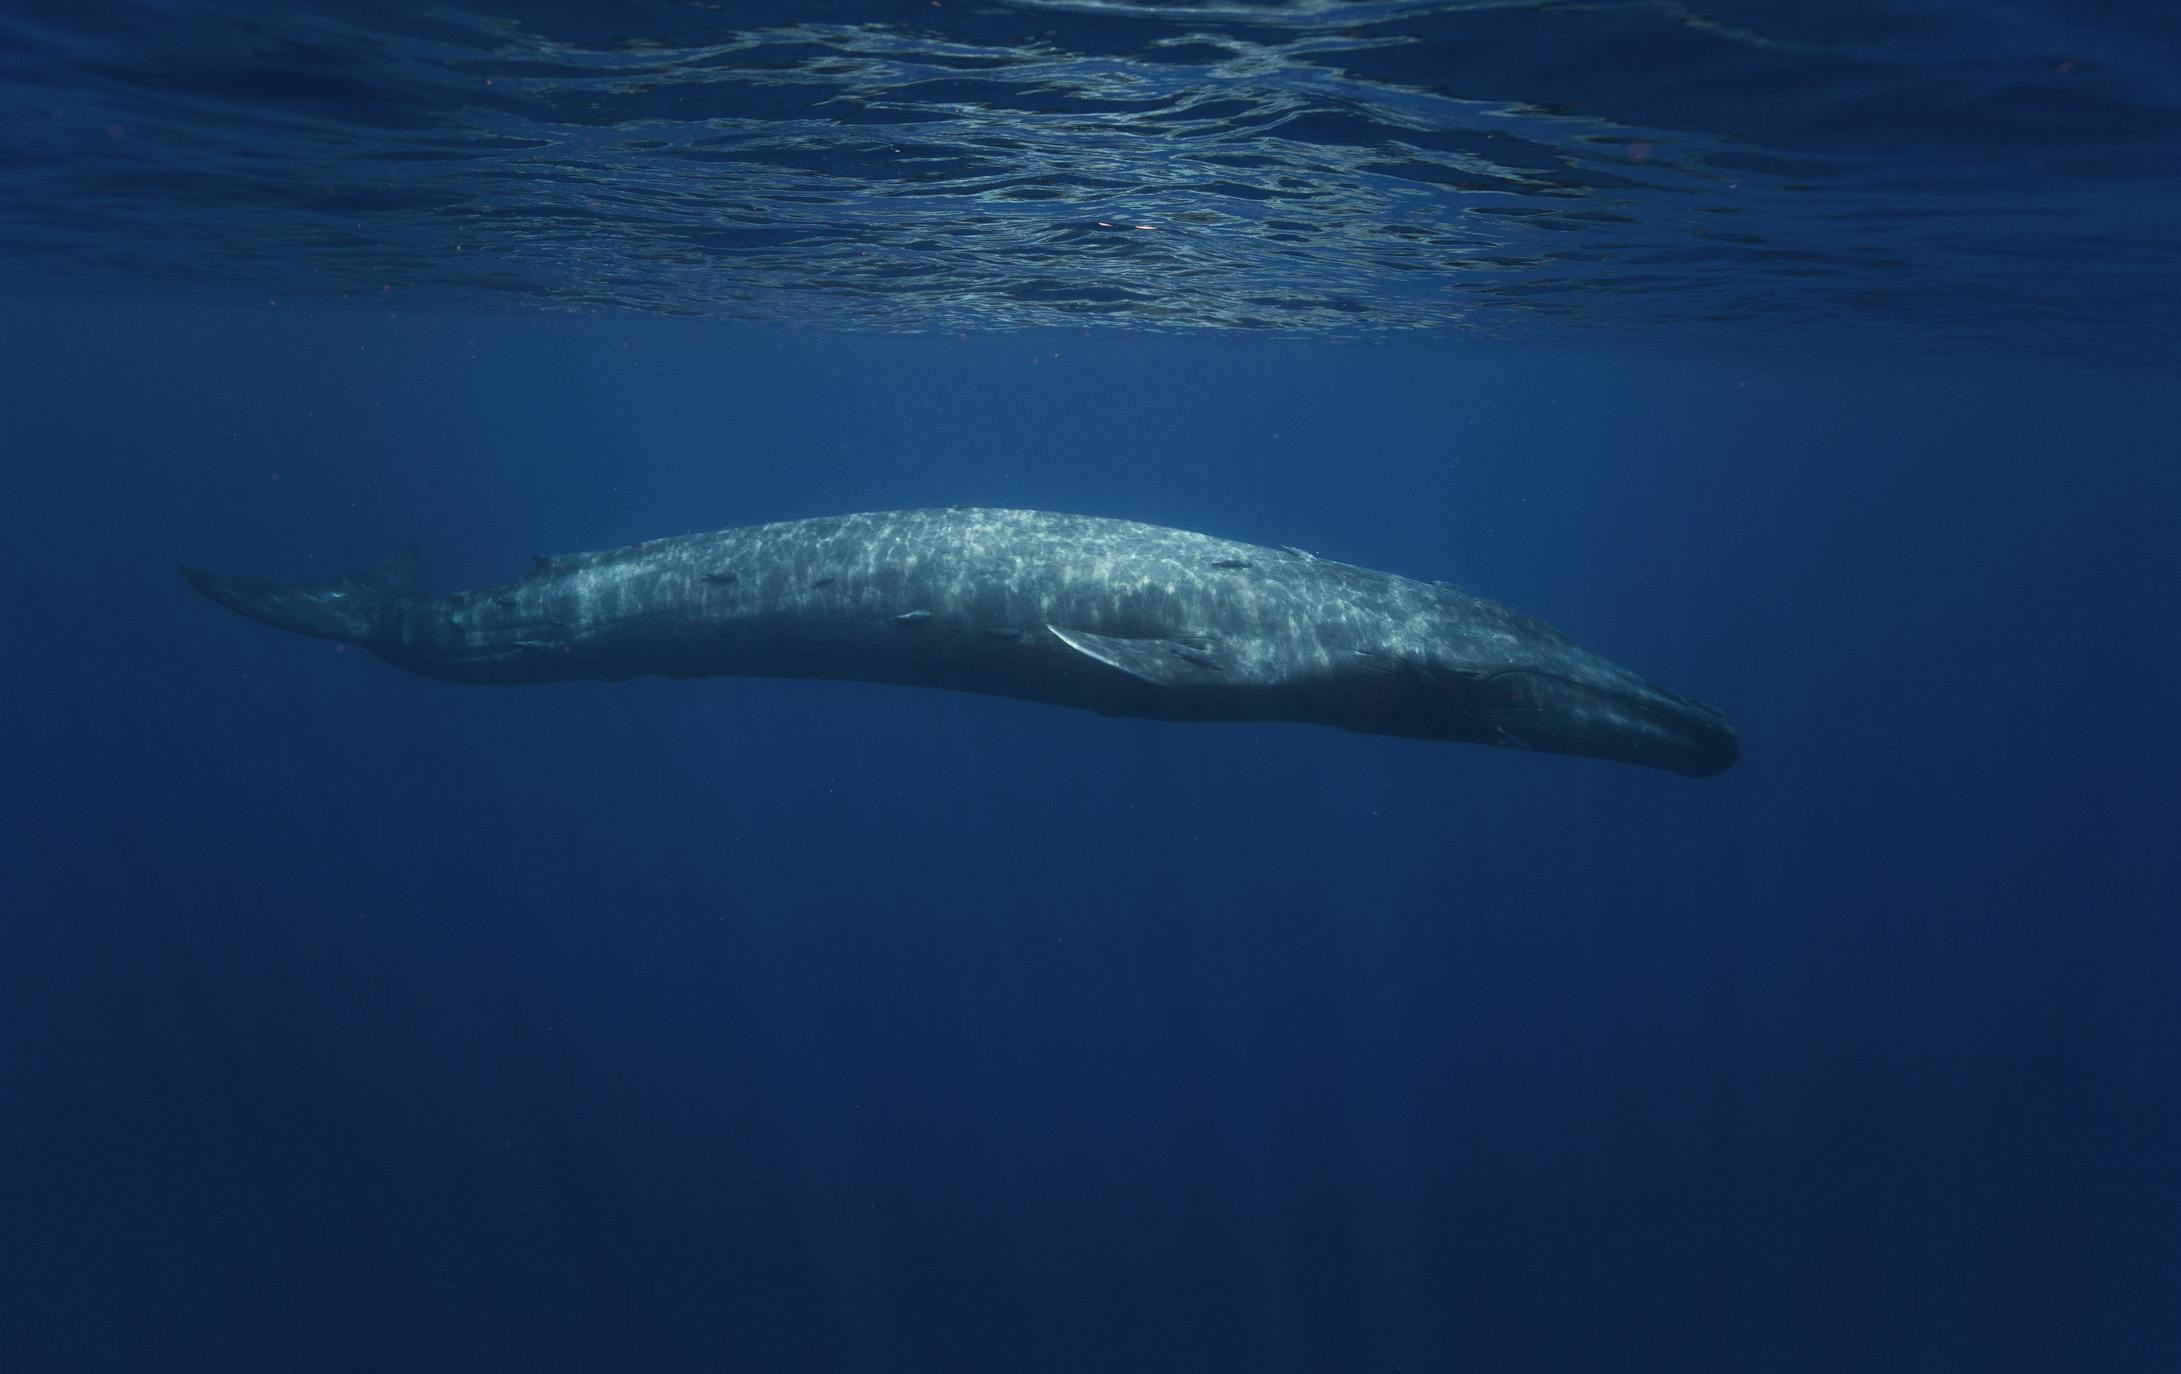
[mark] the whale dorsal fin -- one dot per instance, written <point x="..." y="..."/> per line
<point x="1183" y="661"/>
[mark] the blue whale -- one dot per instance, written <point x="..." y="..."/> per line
<point x="1117" y="617"/>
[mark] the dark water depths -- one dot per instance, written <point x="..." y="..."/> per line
<point x="1947" y="174"/>
<point x="1813" y="360"/>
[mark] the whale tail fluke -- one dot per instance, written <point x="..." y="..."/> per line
<point x="346" y="608"/>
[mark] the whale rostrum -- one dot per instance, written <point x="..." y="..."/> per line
<point x="1114" y="616"/>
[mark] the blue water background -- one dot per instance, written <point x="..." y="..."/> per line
<point x="350" y="1020"/>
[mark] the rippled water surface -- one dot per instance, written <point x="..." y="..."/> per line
<point x="1937" y="172"/>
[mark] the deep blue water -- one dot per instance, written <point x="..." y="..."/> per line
<point x="350" y="1020"/>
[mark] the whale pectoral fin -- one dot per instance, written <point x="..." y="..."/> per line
<point x="1375" y="663"/>
<point x="1190" y="662"/>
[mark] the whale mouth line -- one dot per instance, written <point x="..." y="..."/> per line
<point x="1632" y="699"/>
<point x="1643" y="724"/>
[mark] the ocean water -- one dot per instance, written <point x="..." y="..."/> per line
<point x="1814" y="361"/>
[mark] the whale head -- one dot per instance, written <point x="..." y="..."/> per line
<point x="1486" y="673"/>
<point x="1622" y="718"/>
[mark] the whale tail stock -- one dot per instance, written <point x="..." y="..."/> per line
<point x="346" y="607"/>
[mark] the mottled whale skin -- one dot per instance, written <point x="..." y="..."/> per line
<point x="1116" y="617"/>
